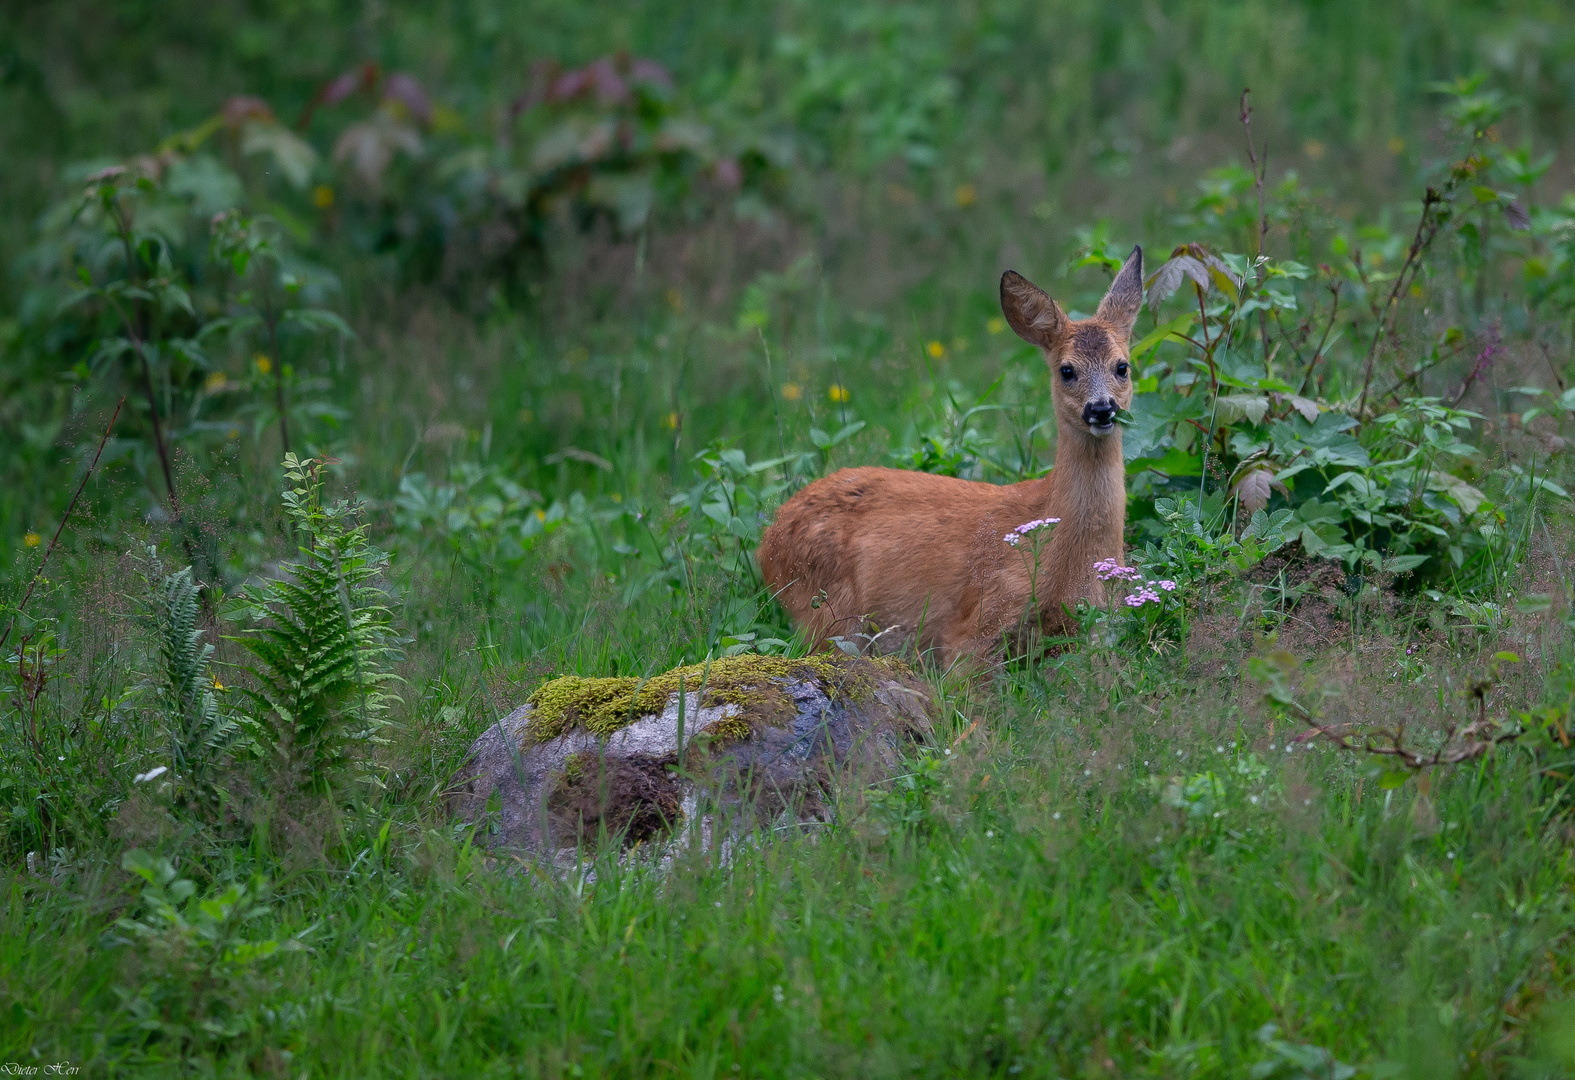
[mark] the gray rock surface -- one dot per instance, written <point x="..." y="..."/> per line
<point x="578" y="789"/>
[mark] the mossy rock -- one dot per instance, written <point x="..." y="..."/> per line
<point x="592" y="761"/>
<point x="754" y="683"/>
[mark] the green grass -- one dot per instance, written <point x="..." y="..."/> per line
<point x="1108" y="864"/>
<point x="1027" y="904"/>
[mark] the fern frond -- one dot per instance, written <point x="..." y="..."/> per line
<point x="201" y="736"/>
<point x="322" y="637"/>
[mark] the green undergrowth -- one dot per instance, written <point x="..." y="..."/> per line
<point x="751" y="682"/>
<point x="1086" y="885"/>
<point x="553" y="304"/>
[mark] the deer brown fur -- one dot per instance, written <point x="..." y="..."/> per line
<point x="924" y="556"/>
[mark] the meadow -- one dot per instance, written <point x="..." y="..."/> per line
<point x="363" y="367"/>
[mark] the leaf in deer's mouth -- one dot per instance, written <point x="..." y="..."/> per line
<point x="1123" y="416"/>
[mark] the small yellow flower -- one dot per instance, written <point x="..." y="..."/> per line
<point x="1396" y="145"/>
<point x="792" y="391"/>
<point x="217" y="685"/>
<point x="995" y="325"/>
<point x="322" y="196"/>
<point x="1313" y="149"/>
<point x="616" y="497"/>
<point x="671" y="422"/>
<point x="525" y="416"/>
<point x="264" y="365"/>
<point x="966" y="195"/>
<point x="838" y="393"/>
<point x="541" y="515"/>
<point x="32" y="539"/>
<point x="214" y="382"/>
<point x="234" y="433"/>
<point x="935" y="349"/>
<point x="675" y="299"/>
<point x="445" y="119"/>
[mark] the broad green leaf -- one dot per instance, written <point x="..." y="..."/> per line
<point x="1464" y="495"/>
<point x="1174" y="330"/>
<point x="1236" y="407"/>
<point x="1175" y="462"/>
<point x="1307" y="407"/>
<point x="1393" y="778"/>
<point x="1399" y="564"/>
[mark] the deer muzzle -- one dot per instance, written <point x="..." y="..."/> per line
<point x="1100" y="416"/>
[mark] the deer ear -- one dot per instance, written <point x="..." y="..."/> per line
<point x="1035" y="317"/>
<point x="1122" y="303"/>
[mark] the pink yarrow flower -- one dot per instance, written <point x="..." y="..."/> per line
<point x="1111" y="570"/>
<point x="1015" y="537"/>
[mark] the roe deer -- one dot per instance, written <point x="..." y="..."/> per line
<point x="927" y="557"/>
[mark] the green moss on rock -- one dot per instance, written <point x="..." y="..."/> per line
<point x="753" y="683"/>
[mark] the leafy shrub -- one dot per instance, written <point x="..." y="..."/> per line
<point x="323" y="637"/>
<point x="1240" y="385"/>
<point x="452" y="202"/>
<point x="272" y="310"/>
<point x="201" y="964"/>
<point x="134" y="279"/>
<point x="487" y="520"/>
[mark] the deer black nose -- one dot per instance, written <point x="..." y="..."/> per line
<point x="1100" y="413"/>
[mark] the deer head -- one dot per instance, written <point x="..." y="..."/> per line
<point x="1089" y="369"/>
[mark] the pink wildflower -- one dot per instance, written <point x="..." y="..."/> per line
<point x="1015" y="537"/>
<point x="1168" y="586"/>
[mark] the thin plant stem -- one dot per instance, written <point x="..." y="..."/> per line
<point x="128" y="320"/>
<point x="278" y="368"/>
<point x="772" y="393"/>
<point x="55" y="539"/>
<point x="1317" y="355"/>
<point x="1260" y="172"/>
<point x="1427" y="227"/>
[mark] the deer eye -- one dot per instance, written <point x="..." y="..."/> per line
<point x="1068" y="372"/>
<point x="1121" y="370"/>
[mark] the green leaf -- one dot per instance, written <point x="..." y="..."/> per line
<point x="1174" y="330"/>
<point x="142" y="864"/>
<point x="1399" y="564"/>
<point x="1236" y="407"/>
<point x="320" y="319"/>
<point x="1393" y="778"/>
<point x="1176" y="462"/>
<point x="848" y="432"/>
<point x="1224" y="283"/>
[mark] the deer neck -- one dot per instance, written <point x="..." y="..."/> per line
<point x="1089" y="481"/>
<point x="1087" y="491"/>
